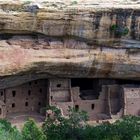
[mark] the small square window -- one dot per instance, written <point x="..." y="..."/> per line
<point x="1" y="93"/>
<point x="13" y="105"/>
<point x="26" y="103"/>
<point x="51" y="97"/>
<point x="29" y="92"/>
<point x="40" y="90"/>
<point x="39" y="103"/>
<point x="77" y="107"/>
<point x="30" y="83"/>
<point x="58" y="85"/>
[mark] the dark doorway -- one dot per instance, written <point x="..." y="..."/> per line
<point x="89" y="88"/>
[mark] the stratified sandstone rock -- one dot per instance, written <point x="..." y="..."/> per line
<point x="68" y="39"/>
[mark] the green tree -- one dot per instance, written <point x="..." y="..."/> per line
<point x="59" y="127"/>
<point x="128" y="127"/>
<point x="30" y="131"/>
<point x="124" y="129"/>
<point x="136" y="138"/>
<point x="7" y="132"/>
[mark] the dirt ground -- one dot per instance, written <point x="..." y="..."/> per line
<point x="18" y="119"/>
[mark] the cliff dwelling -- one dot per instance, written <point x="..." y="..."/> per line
<point x="101" y="98"/>
<point x="57" y="54"/>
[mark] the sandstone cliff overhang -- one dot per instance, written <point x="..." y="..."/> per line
<point x="68" y="40"/>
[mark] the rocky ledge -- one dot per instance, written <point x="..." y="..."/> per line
<point x="68" y="39"/>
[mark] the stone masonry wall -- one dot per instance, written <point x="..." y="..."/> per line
<point x="132" y="96"/>
<point x="27" y="97"/>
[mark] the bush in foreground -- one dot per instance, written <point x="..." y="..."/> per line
<point x="7" y="132"/>
<point x="62" y="128"/>
<point x="136" y="138"/>
<point x="75" y="127"/>
<point x="30" y="131"/>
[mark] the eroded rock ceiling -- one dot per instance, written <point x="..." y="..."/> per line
<point x="75" y="39"/>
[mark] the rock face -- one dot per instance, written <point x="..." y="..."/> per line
<point x="68" y="40"/>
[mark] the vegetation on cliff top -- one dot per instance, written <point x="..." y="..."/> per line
<point x="119" y="30"/>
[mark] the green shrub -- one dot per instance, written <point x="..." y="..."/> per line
<point x="74" y="2"/>
<point x="119" y="30"/>
<point x="101" y="132"/>
<point x="113" y="138"/>
<point x="128" y="127"/>
<point x="126" y="31"/>
<point x="7" y="132"/>
<point x="73" y="127"/>
<point x="113" y="27"/>
<point x="27" y="2"/>
<point x="136" y="138"/>
<point x="61" y="128"/>
<point x="124" y="129"/>
<point x="30" y="131"/>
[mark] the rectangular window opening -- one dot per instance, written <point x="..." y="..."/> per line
<point x="29" y="92"/>
<point x="26" y="103"/>
<point x="58" y="85"/>
<point x="77" y="107"/>
<point x="1" y="93"/>
<point x="92" y="106"/>
<point x="13" y="105"/>
<point x="14" y="93"/>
